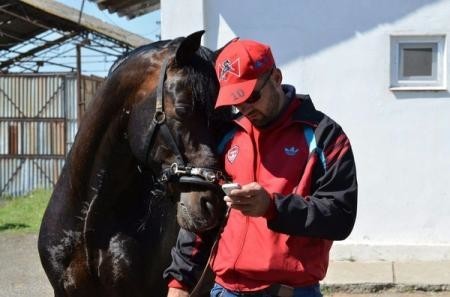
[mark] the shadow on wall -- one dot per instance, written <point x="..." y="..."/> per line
<point x="317" y="24"/>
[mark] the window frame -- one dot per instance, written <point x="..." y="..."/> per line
<point x="438" y="78"/>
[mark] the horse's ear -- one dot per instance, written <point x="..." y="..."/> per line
<point x="217" y="52"/>
<point x="188" y="47"/>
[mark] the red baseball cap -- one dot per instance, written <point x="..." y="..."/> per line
<point x="238" y="67"/>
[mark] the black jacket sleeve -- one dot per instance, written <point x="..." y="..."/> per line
<point x="190" y="256"/>
<point x="330" y="211"/>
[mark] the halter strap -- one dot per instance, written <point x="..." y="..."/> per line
<point x="159" y="120"/>
<point x="177" y="171"/>
<point x="160" y="88"/>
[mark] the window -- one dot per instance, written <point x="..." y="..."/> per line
<point x="418" y="62"/>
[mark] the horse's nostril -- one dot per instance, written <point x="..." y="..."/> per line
<point x="206" y="205"/>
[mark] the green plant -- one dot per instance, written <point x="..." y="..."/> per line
<point x="23" y="214"/>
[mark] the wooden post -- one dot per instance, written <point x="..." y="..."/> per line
<point x="79" y="87"/>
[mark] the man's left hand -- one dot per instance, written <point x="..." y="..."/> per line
<point x="252" y="200"/>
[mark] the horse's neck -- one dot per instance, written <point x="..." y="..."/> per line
<point x="97" y="156"/>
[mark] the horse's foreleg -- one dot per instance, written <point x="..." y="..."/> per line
<point x="121" y="268"/>
<point x="77" y="279"/>
<point x="55" y="251"/>
<point x="64" y="262"/>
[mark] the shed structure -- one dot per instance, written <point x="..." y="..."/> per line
<point x="40" y="111"/>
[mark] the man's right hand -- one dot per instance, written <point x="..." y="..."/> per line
<point x="252" y="200"/>
<point x="174" y="292"/>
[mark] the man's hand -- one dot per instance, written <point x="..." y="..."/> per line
<point x="174" y="292"/>
<point x="252" y="200"/>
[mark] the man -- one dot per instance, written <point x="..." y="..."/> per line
<point x="299" y="188"/>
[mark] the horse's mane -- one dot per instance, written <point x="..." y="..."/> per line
<point x="148" y="47"/>
<point x="203" y="93"/>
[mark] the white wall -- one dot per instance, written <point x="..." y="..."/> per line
<point x="181" y="18"/>
<point x="338" y="52"/>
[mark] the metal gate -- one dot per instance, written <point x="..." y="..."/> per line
<point x="38" y="123"/>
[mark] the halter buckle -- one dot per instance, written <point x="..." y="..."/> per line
<point x="159" y="117"/>
<point x="209" y="175"/>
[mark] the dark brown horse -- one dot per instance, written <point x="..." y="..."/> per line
<point x="143" y="147"/>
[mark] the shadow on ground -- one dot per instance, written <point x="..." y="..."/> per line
<point x="12" y="226"/>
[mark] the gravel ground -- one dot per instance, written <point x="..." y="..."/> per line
<point x="21" y="273"/>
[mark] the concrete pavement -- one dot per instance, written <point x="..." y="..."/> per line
<point x="21" y="275"/>
<point x="367" y="277"/>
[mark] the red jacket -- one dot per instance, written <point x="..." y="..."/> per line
<point x="305" y="160"/>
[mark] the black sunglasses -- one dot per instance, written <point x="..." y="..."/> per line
<point x="256" y="94"/>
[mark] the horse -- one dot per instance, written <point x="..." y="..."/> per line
<point x="143" y="164"/>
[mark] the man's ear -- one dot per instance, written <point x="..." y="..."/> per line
<point x="277" y="75"/>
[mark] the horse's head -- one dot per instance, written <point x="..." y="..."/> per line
<point x="169" y="126"/>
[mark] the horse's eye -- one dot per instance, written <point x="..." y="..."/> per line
<point x="183" y="111"/>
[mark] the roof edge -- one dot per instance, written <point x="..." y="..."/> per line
<point x="89" y="22"/>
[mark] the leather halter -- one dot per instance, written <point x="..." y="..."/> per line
<point x="178" y="171"/>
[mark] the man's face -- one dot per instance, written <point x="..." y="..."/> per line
<point x="262" y="109"/>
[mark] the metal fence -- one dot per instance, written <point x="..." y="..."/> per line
<point x="38" y="122"/>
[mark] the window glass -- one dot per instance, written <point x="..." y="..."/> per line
<point x="417" y="61"/>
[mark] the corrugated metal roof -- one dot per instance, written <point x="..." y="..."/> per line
<point x="128" y="8"/>
<point x="21" y="20"/>
<point x="31" y="31"/>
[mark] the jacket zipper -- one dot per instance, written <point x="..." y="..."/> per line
<point x="255" y="174"/>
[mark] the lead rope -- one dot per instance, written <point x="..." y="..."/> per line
<point x="213" y="250"/>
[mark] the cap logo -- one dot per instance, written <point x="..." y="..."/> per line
<point x="228" y="67"/>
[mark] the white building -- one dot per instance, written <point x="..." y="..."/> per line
<point x="379" y="68"/>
